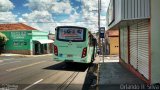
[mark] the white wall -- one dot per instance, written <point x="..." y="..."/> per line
<point x="135" y="9"/>
<point x="155" y="41"/>
<point x="131" y="9"/>
<point x="117" y="13"/>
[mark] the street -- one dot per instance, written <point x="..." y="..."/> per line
<point x="41" y="73"/>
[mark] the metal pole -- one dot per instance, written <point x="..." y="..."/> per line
<point x="99" y="40"/>
<point x="99" y="16"/>
<point x="103" y="49"/>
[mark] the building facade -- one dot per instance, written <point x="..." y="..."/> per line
<point x="138" y="36"/>
<point x="112" y="38"/>
<point x="24" y="39"/>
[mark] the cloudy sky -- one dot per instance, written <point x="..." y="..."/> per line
<point x="45" y="15"/>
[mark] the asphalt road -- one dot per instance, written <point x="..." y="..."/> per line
<point x="41" y="73"/>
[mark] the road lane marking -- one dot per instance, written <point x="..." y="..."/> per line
<point x="9" y="63"/>
<point x="13" y="69"/>
<point x="33" y="84"/>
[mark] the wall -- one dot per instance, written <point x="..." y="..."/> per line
<point x="18" y="40"/>
<point x="117" y="13"/>
<point x="37" y="35"/>
<point x="114" y="45"/>
<point x="129" y="10"/>
<point x="135" y="9"/>
<point x="124" y="44"/>
<point x="155" y="40"/>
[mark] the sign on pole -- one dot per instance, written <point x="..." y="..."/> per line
<point x="102" y="31"/>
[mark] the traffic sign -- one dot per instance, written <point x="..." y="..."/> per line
<point x="102" y="31"/>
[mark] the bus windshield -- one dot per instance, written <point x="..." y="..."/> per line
<point x="71" y="34"/>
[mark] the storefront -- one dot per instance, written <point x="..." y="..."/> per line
<point x="112" y="37"/>
<point x="139" y="36"/>
<point x="42" y="46"/>
<point x="24" y="39"/>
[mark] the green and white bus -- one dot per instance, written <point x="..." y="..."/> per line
<point x="74" y="44"/>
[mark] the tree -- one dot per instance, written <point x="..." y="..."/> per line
<point x="3" y="40"/>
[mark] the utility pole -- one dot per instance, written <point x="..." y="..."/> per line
<point x="99" y="25"/>
<point x="99" y="11"/>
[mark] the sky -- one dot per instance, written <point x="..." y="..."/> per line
<point x="45" y="15"/>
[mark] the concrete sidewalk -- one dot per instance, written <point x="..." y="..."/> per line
<point x="113" y="76"/>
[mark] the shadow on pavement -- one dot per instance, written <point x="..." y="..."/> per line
<point x="113" y="76"/>
<point x="91" y="78"/>
<point x="91" y="75"/>
<point x="78" y="67"/>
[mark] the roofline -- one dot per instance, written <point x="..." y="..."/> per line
<point x="18" y="29"/>
<point x="28" y="26"/>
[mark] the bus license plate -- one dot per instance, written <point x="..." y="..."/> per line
<point x="69" y="55"/>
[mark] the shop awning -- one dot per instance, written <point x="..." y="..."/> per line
<point x="44" y="41"/>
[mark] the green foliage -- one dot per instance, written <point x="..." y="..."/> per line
<point x="3" y="38"/>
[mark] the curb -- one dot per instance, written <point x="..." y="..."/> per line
<point x="108" y="55"/>
<point x="98" y="72"/>
<point x="38" y="55"/>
